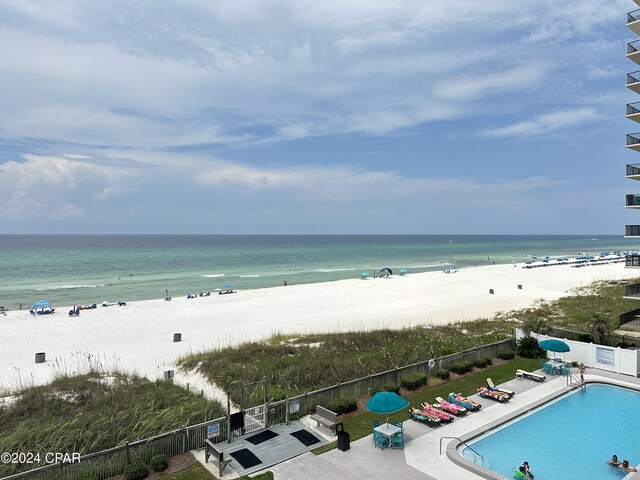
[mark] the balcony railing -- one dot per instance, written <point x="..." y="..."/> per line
<point x="633" y="16"/>
<point x="630" y="320"/>
<point x="633" y="139"/>
<point x="633" y="200"/>
<point x="632" y="290"/>
<point x="631" y="231"/>
<point x="633" y="77"/>
<point x="633" y="47"/>
<point x="633" y="169"/>
<point x="633" y="261"/>
<point x="633" y="108"/>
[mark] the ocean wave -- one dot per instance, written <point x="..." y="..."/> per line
<point x="430" y="265"/>
<point x="248" y="276"/>
<point x="214" y="275"/>
<point x="66" y="287"/>
<point x="330" y="270"/>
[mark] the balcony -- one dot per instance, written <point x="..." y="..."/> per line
<point x="633" y="200"/>
<point x="633" y="21"/>
<point x="631" y="231"/>
<point x="633" y="81"/>
<point x="633" y="111"/>
<point x="633" y="141"/>
<point x="633" y="171"/>
<point x="633" y="51"/>
<point x="630" y="320"/>
<point x="632" y="291"/>
<point x="633" y="261"/>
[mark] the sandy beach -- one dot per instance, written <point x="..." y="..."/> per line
<point x="138" y="337"/>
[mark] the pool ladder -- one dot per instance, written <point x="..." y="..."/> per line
<point x="575" y="380"/>
<point x="465" y="444"/>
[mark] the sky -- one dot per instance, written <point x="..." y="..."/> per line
<point x="359" y="116"/>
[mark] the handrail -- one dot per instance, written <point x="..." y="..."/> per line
<point x="463" y="443"/>
<point x="633" y="200"/>
<point x="633" y="16"/>
<point x="633" y="47"/>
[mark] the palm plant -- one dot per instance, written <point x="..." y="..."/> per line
<point x="538" y="325"/>
<point x="600" y="329"/>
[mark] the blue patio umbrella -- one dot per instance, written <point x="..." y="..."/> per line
<point x="555" y="345"/>
<point x="364" y="275"/>
<point x="403" y="271"/>
<point x="385" y="403"/>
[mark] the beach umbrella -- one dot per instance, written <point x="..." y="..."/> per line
<point x="403" y="271"/>
<point x="364" y="275"/>
<point x="228" y="286"/>
<point x="555" y="345"/>
<point x="385" y="403"/>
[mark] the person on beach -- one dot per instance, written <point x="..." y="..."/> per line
<point x="582" y="370"/>
<point x="285" y="283"/>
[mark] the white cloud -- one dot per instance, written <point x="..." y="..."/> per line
<point x="546" y="123"/>
<point x="69" y="211"/>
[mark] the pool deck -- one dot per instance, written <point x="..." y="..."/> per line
<point x="421" y="458"/>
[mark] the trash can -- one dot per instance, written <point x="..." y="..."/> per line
<point x="344" y="439"/>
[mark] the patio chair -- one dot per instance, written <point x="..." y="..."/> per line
<point x="397" y="441"/>
<point x="380" y="441"/>
<point x="565" y="369"/>
<point x="547" y="369"/>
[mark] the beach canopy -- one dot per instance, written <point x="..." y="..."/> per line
<point x="403" y="271"/>
<point x="385" y="271"/>
<point x="554" y="345"/>
<point x="41" y="304"/>
<point x="364" y="274"/>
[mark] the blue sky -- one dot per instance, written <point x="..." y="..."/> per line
<point x="315" y="117"/>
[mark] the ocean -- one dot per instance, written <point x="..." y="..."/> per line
<point x="75" y="269"/>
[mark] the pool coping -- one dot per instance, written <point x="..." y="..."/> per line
<point x="452" y="447"/>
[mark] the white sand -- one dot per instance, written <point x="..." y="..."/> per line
<point x="138" y="338"/>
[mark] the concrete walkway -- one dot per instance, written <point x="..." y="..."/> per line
<point x="421" y="458"/>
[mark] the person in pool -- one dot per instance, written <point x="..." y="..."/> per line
<point x="613" y="461"/>
<point x="625" y="466"/>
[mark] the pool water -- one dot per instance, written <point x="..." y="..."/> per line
<point x="570" y="438"/>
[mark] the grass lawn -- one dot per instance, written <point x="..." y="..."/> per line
<point x="359" y="425"/>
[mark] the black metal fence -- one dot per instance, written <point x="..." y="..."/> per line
<point x="633" y="47"/>
<point x="112" y="462"/>
<point x="633" y="169"/>
<point x="632" y="108"/>
<point x="630" y="320"/>
<point x="633" y="16"/>
<point x="633" y="200"/>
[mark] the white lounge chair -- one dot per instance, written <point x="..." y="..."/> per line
<point x="530" y="375"/>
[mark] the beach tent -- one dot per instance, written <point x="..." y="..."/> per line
<point x="384" y="272"/>
<point x="41" y="304"/>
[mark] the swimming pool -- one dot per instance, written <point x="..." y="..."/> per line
<point x="570" y="438"/>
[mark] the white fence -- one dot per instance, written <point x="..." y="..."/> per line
<point x="613" y="359"/>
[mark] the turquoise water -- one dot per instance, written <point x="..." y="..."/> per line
<point x="571" y="438"/>
<point x="69" y="269"/>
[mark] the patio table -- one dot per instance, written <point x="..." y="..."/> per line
<point x="388" y="430"/>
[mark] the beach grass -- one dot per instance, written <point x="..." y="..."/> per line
<point x="604" y="299"/>
<point x="359" y="425"/>
<point x="311" y="362"/>
<point x="94" y="412"/>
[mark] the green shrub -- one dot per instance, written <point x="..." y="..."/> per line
<point x="390" y="387"/>
<point x="387" y="387"/>
<point x="90" y="476"/>
<point x="506" y="355"/>
<point x="482" y="362"/>
<point x="158" y="462"/>
<point x="442" y="373"/>
<point x="461" y="367"/>
<point x="136" y="470"/>
<point x="528" y="347"/>
<point x="414" y="381"/>
<point x="344" y="405"/>
<point x="584" y="337"/>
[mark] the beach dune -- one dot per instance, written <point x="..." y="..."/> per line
<point x="138" y="337"/>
